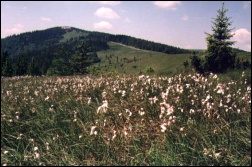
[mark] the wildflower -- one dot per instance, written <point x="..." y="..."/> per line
<point x="220" y="91"/>
<point x="181" y="129"/>
<point x="217" y="155"/>
<point x="8" y="93"/>
<point x="35" y="148"/>
<point x="141" y="77"/>
<point x="75" y="114"/>
<point x="205" y="151"/>
<point x="75" y="120"/>
<point x="47" y="146"/>
<point x="51" y="108"/>
<point x="243" y="74"/>
<point x="42" y="164"/>
<point x="93" y="130"/>
<point x="89" y="100"/>
<point x="192" y="111"/>
<point x="37" y="155"/>
<point x="113" y="137"/>
<point x="80" y="136"/>
<point x="248" y="88"/>
<point x="141" y="112"/>
<point x="5" y="152"/>
<point x="32" y="140"/>
<point x="103" y="108"/>
<point x="153" y="100"/>
<point x="123" y="92"/>
<point x="19" y="136"/>
<point x="36" y="92"/>
<point x="128" y="111"/>
<point x="163" y="127"/>
<point x="47" y="98"/>
<point x="57" y="136"/>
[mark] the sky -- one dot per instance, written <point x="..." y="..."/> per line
<point x="183" y="24"/>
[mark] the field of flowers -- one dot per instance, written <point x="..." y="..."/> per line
<point x="125" y="120"/>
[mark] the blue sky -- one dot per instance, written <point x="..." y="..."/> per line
<point x="178" y="23"/>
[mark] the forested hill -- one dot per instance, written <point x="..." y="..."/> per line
<point x="60" y="50"/>
<point x="37" y="40"/>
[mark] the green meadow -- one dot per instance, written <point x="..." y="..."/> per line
<point x="121" y="59"/>
<point x="186" y="119"/>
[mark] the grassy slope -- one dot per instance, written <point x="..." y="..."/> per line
<point x="160" y="62"/>
<point x="169" y="64"/>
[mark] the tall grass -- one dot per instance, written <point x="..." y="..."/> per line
<point x="131" y="120"/>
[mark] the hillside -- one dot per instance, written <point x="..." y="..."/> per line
<point x="122" y="59"/>
<point x="56" y="51"/>
<point x="37" y="40"/>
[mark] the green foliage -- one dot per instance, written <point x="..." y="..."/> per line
<point x="149" y="70"/>
<point x="198" y="63"/>
<point x="21" y="65"/>
<point x="33" y="69"/>
<point x="80" y="61"/>
<point x="186" y="63"/>
<point x="59" y="67"/>
<point x="220" y="56"/>
<point x="6" y="65"/>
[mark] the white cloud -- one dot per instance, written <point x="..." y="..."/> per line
<point x="185" y="18"/>
<point x="112" y="3"/>
<point x="45" y="18"/>
<point x="17" y="29"/>
<point x="167" y="4"/>
<point x="106" y="13"/>
<point x="102" y="25"/>
<point x="243" y="39"/>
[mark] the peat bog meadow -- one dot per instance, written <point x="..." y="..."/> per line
<point x="187" y="119"/>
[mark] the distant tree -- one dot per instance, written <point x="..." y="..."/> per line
<point x="185" y="63"/>
<point x="6" y="65"/>
<point x="21" y="65"/>
<point x="198" y="63"/>
<point x="59" y="67"/>
<point x="80" y="60"/>
<point x="220" y="56"/>
<point x="33" y="68"/>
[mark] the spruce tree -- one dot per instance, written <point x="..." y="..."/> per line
<point x="220" y="56"/>
<point x="80" y="60"/>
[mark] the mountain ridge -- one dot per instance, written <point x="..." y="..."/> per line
<point x="56" y="35"/>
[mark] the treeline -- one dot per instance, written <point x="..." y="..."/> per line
<point x="138" y="43"/>
<point x="57" y="60"/>
<point x="146" y="45"/>
<point x="41" y="53"/>
<point x="44" y="39"/>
